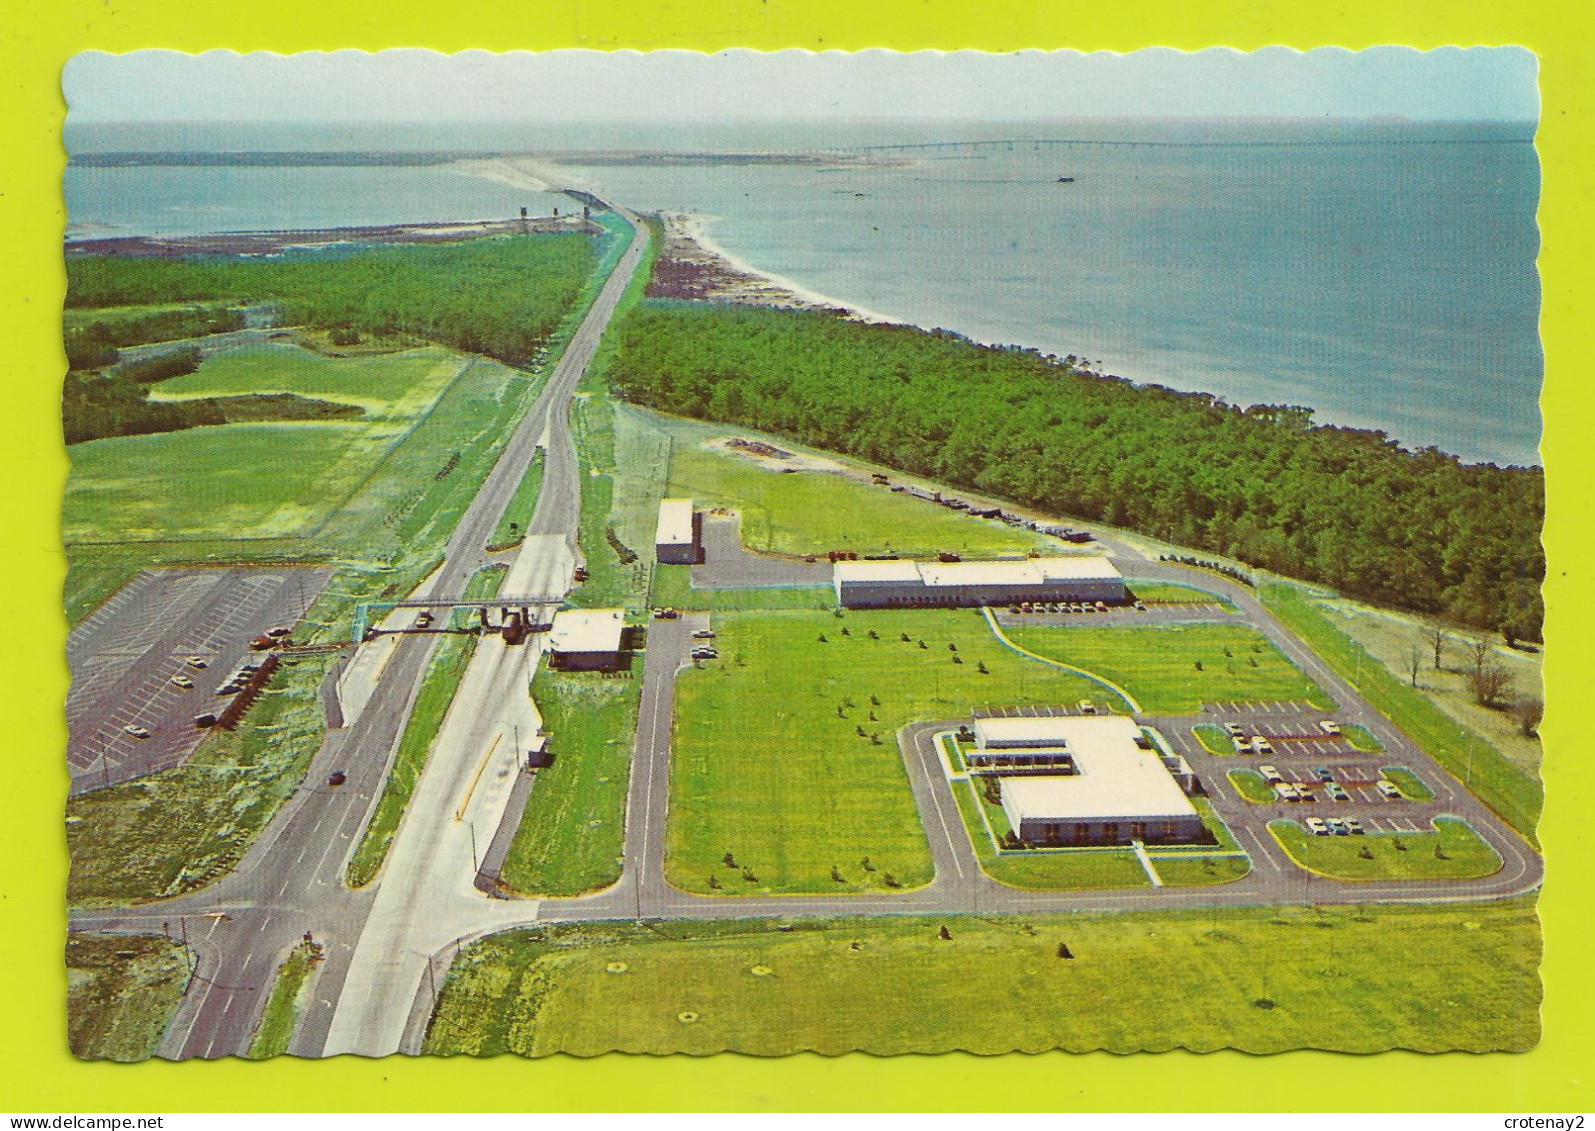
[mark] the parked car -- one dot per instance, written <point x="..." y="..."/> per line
<point x="1261" y="744"/>
<point x="1286" y="792"/>
<point x="182" y="681"/>
<point x="197" y="662"/>
<point x="1329" y="727"/>
<point x="1387" y="790"/>
<point x="279" y="633"/>
<point x="1317" y="826"/>
<point x="1087" y="707"/>
<point x="703" y="634"/>
<point x="1235" y="730"/>
<point x="1323" y="773"/>
<point x="1354" y="827"/>
<point x="1270" y="774"/>
<point x="1305" y="793"/>
<point x="136" y="731"/>
<point x="337" y="777"/>
<point x="205" y="720"/>
<point x="705" y="654"/>
<point x="1338" y="827"/>
<point x="1336" y="792"/>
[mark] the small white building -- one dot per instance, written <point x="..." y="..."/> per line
<point x="1120" y="789"/>
<point x="909" y="584"/>
<point x="587" y="639"/>
<point x="677" y="539"/>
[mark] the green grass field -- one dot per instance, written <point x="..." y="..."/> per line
<point x="1412" y="787"/>
<point x="391" y="386"/>
<point x="620" y="454"/>
<point x="121" y="993"/>
<point x="1163" y="593"/>
<point x="768" y="763"/>
<point x="238" y="481"/>
<point x="1512" y="790"/>
<point x="179" y="829"/>
<point x="1251" y="785"/>
<point x="1452" y="852"/>
<point x="395" y="522"/>
<point x="572" y="832"/>
<point x="1195" y="870"/>
<point x="1158" y="664"/>
<point x="281" y="1015"/>
<point x="1215" y="740"/>
<point x="811" y="512"/>
<point x="1256" y="979"/>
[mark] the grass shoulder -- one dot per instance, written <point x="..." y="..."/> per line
<point x="1251" y="785"/>
<point x="121" y="993"/>
<point x="1412" y="787"/>
<point x="1214" y="739"/>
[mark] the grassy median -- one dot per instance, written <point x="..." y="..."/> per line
<point x="281" y="1015"/>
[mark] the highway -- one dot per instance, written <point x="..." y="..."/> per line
<point x="290" y="883"/>
<point x="388" y="946"/>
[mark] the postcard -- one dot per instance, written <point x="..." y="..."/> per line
<point x="662" y="552"/>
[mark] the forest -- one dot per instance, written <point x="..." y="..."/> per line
<point x="1348" y="508"/>
<point x="501" y="297"/>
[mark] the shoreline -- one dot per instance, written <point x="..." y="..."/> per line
<point x="698" y="268"/>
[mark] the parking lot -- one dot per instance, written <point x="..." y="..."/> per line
<point x="1299" y="754"/>
<point x="130" y="657"/>
<point x="728" y="565"/>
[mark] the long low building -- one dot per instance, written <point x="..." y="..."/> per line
<point x="587" y="639"/>
<point x="1120" y="789"/>
<point x="676" y="540"/>
<point x="909" y="584"/>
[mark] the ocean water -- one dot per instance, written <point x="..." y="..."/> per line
<point x="1383" y="275"/>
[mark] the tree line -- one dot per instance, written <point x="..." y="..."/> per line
<point x="502" y="297"/>
<point x="1349" y="508"/>
<point x="93" y="344"/>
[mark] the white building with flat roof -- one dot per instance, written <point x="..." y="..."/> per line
<point x="1120" y="789"/>
<point x="908" y="584"/>
<point x="676" y="540"/>
<point x="587" y="639"/>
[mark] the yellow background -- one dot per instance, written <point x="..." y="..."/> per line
<point x="36" y="1074"/>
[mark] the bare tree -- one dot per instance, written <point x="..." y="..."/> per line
<point x="1528" y="713"/>
<point x="1415" y="656"/>
<point x="1436" y="637"/>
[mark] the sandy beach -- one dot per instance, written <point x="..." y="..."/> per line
<point x="692" y="265"/>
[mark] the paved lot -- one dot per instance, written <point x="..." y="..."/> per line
<point x="126" y="653"/>
<point x="728" y="565"/>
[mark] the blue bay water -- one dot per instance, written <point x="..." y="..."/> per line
<point x="1382" y="275"/>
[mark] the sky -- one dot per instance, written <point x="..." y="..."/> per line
<point x="422" y="86"/>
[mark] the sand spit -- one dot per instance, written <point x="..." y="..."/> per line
<point x="692" y="265"/>
<point x="275" y="243"/>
